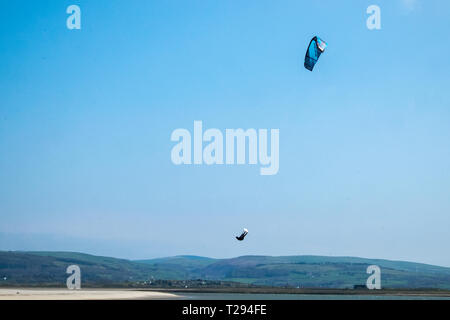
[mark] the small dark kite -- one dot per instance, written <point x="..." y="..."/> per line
<point x="242" y="236"/>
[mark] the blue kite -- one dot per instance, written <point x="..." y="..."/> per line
<point x="315" y="49"/>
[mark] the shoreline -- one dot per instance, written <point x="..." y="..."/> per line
<point x="42" y="293"/>
<point x="81" y="294"/>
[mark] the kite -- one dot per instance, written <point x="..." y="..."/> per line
<point x="315" y="49"/>
<point x="242" y="236"/>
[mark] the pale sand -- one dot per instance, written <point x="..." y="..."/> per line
<point x="82" y="294"/>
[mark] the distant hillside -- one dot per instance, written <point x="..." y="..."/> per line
<point x="50" y="268"/>
<point x="310" y="271"/>
<point x="40" y="268"/>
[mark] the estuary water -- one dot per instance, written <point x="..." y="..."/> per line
<point x="263" y="296"/>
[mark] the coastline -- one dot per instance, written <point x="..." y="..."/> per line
<point x="82" y="294"/>
<point x="43" y="293"/>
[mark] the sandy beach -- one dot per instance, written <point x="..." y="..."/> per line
<point x="83" y="294"/>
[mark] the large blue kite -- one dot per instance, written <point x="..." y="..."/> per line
<point x="315" y="49"/>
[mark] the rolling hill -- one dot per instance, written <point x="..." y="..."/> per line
<point x="48" y="268"/>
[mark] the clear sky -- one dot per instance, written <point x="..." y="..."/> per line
<point x="86" y="117"/>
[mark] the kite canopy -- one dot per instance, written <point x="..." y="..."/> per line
<point x="242" y="236"/>
<point x="315" y="49"/>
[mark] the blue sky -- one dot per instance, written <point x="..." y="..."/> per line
<point x="86" y="117"/>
